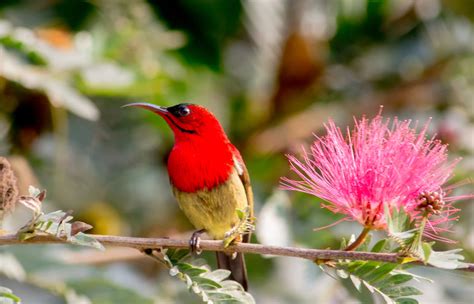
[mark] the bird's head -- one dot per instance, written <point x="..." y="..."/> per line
<point x="187" y="121"/>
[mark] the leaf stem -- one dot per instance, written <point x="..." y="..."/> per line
<point x="360" y="239"/>
<point x="416" y="245"/>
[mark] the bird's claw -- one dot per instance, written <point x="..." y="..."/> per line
<point x="195" y="241"/>
<point x="194" y="244"/>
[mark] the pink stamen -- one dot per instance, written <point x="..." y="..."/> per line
<point x="380" y="161"/>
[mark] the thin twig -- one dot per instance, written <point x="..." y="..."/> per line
<point x="208" y="245"/>
<point x="360" y="239"/>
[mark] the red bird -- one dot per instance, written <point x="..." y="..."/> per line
<point x="208" y="177"/>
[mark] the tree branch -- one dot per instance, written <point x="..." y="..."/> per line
<point x="210" y="245"/>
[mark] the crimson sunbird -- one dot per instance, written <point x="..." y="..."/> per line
<point x="208" y="178"/>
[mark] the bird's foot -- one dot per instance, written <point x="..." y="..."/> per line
<point x="195" y="240"/>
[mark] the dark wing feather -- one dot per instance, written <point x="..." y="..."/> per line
<point x="224" y="261"/>
<point x="244" y="177"/>
<point x="236" y="265"/>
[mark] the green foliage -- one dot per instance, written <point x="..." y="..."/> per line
<point x="7" y="296"/>
<point x="399" y="225"/>
<point x="57" y="223"/>
<point x="377" y="278"/>
<point x="207" y="31"/>
<point x="408" y="234"/>
<point x="38" y="66"/>
<point x="373" y="52"/>
<point x="31" y="54"/>
<point x="210" y="285"/>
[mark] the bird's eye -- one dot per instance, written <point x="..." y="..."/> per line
<point x="183" y="111"/>
<point x="179" y="110"/>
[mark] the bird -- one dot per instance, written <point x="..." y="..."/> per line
<point x="209" y="180"/>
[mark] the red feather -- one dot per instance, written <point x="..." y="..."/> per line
<point x="203" y="160"/>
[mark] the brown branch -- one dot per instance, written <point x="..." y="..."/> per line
<point x="208" y="245"/>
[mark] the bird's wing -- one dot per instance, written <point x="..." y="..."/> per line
<point x="245" y="178"/>
<point x="225" y="261"/>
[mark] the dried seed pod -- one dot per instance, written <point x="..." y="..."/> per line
<point x="430" y="203"/>
<point x="8" y="188"/>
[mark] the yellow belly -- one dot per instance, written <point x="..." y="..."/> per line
<point x="214" y="209"/>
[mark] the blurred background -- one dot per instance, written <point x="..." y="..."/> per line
<point x="273" y="71"/>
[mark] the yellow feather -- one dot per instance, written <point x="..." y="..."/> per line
<point x="215" y="209"/>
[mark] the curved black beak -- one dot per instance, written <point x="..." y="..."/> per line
<point x="148" y="106"/>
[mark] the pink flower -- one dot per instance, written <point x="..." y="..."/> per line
<point x="378" y="163"/>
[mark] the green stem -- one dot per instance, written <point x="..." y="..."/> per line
<point x="360" y="239"/>
<point x="416" y="246"/>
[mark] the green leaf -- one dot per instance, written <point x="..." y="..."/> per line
<point x="229" y="285"/>
<point x="240" y="214"/>
<point x="244" y="226"/>
<point x="86" y="240"/>
<point x="365" y="245"/>
<point x="379" y="246"/>
<point x="415" y="277"/>
<point x="378" y="278"/>
<point x="176" y="255"/>
<point x="57" y="223"/>
<point x="375" y="290"/>
<point x="402" y="291"/>
<point x="210" y="286"/>
<point x="406" y="301"/>
<point x="31" y="54"/>
<point x="396" y="279"/>
<point x="366" y="268"/>
<point x="380" y="272"/>
<point x="23" y="236"/>
<point x="343" y="244"/>
<point x="370" y="278"/>
<point x="190" y="269"/>
<point x="426" y="250"/>
<point x="7" y="296"/>
<point x="208" y="283"/>
<point x="399" y="225"/>
<point x="354" y="265"/>
<point x="217" y="275"/>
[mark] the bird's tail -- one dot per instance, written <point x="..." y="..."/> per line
<point x="236" y="265"/>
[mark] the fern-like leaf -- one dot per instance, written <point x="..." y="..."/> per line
<point x="211" y="286"/>
<point x="385" y="280"/>
<point x="57" y="223"/>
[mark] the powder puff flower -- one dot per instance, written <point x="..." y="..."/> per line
<point x="378" y="163"/>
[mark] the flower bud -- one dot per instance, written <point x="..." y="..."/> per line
<point x="430" y="203"/>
